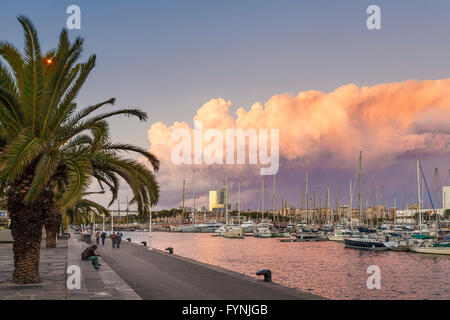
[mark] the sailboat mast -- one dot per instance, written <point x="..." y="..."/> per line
<point x="182" y="208"/>
<point x="307" y="198"/>
<point x="395" y="209"/>
<point x="350" y="213"/>
<point x="360" y="188"/>
<point x="418" y="194"/>
<point x="436" y="192"/>
<point x="328" y="205"/>
<point x="239" y="203"/>
<point x="273" y="199"/>
<point x="262" y="198"/>
<point x="226" y="199"/>
<point x="193" y="194"/>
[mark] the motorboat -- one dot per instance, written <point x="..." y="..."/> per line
<point x="305" y="236"/>
<point x="231" y="231"/>
<point x="340" y="235"/>
<point x="367" y="244"/>
<point x="188" y="228"/>
<point x="207" y="227"/>
<point x="175" y="228"/>
<point x="263" y="229"/>
<point x="432" y="247"/>
<point x="262" y="232"/>
<point x="248" y="226"/>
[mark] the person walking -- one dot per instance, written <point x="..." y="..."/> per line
<point x="97" y="238"/>
<point x="113" y="239"/>
<point x="118" y="239"/>
<point x="103" y="236"/>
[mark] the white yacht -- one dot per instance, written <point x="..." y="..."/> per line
<point x="432" y="248"/>
<point x="340" y="235"/>
<point x="188" y="228"/>
<point x="231" y="231"/>
<point x="248" y="226"/>
<point x="207" y="227"/>
<point x="175" y="228"/>
<point x="262" y="232"/>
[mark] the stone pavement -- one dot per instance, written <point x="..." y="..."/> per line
<point x="95" y="284"/>
<point x="134" y="273"/>
<point x="159" y="275"/>
<point x="52" y="266"/>
<point x="102" y="284"/>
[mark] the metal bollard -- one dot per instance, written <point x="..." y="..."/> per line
<point x="144" y="243"/>
<point x="170" y="249"/>
<point x="266" y="273"/>
<point x="129" y="239"/>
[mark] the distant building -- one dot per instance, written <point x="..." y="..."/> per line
<point x="217" y="199"/>
<point x="446" y="197"/>
<point x="4" y="219"/>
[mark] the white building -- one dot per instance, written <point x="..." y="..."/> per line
<point x="446" y="197"/>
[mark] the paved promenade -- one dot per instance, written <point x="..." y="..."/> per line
<point x="52" y="265"/>
<point x="104" y="284"/>
<point x="134" y="273"/>
<point x="159" y="275"/>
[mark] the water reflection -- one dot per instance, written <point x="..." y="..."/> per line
<point x="324" y="268"/>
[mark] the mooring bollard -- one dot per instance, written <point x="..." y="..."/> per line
<point x="144" y="243"/>
<point x="170" y="249"/>
<point x="266" y="273"/>
<point x="129" y="239"/>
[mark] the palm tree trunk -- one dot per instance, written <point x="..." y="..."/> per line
<point x="53" y="222"/>
<point x="27" y="222"/>
<point x="26" y="229"/>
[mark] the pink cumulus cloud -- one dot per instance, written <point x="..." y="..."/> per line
<point x="319" y="132"/>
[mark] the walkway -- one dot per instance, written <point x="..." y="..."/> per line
<point x="159" y="275"/>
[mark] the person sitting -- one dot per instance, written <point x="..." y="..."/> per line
<point x="90" y="255"/>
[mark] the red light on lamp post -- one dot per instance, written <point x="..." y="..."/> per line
<point x="49" y="61"/>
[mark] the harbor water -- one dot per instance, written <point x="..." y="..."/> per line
<point x="324" y="268"/>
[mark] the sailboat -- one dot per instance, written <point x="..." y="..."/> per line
<point x="430" y="246"/>
<point x="192" y="226"/>
<point x="263" y="228"/>
<point x="229" y="230"/>
<point x="364" y="243"/>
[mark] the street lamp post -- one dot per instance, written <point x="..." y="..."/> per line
<point x="112" y="222"/>
<point x="150" y="246"/>
<point x="93" y="222"/>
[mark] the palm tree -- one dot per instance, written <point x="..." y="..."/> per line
<point x="49" y="152"/>
<point x="80" y="213"/>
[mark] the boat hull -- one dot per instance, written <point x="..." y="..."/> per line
<point x="336" y="238"/>
<point x="233" y="234"/>
<point x="431" y="250"/>
<point x="365" y="245"/>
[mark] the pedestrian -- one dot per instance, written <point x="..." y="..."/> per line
<point x="97" y="238"/>
<point x="103" y="236"/>
<point x="113" y="239"/>
<point x="89" y="254"/>
<point x="118" y="239"/>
